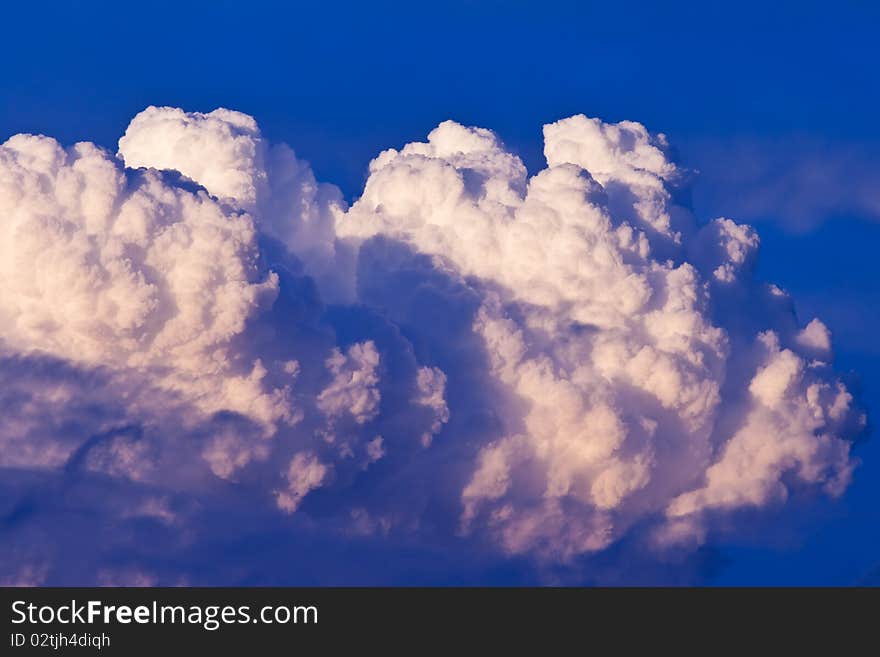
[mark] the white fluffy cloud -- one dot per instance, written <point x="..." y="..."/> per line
<point x="161" y="288"/>
<point x="623" y="374"/>
<point x="225" y="152"/>
<point x="353" y="389"/>
<point x="129" y="272"/>
<point x="634" y="371"/>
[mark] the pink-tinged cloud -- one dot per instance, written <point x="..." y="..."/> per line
<point x="544" y="365"/>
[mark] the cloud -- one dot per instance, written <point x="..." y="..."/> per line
<point x="127" y="271"/>
<point x="353" y="389"/>
<point x="617" y="366"/>
<point x="224" y="152"/>
<point x="798" y="181"/>
<point x="546" y="367"/>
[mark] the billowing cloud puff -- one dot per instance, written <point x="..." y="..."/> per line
<point x="127" y="271"/>
<point x="542" y="366"/>
<point x="224" y="152"/>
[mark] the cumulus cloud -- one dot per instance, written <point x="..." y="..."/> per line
<point x="353" y="390"/>
<point x="622" y="372"/>
<point x="101" y="268"/>
<point x="540" y="365"/>
<point x="225" y="152"/>
<point x="305" y="473"/>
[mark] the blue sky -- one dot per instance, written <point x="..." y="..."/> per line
<point x="775" y="105"/>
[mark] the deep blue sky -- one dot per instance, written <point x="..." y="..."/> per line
<point x="746" y="92"/>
